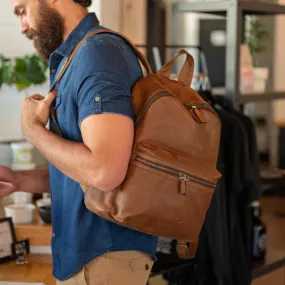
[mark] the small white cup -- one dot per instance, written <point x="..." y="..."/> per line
<point x="43" y="202"/>
<point x="22" y="197"/>
<point x="20" y="214"/>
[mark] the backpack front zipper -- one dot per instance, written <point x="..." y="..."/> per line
<point x="184" y="177"/>
<point x="199" y="105"/>
<point x="196" y="106"/>
<point x="190" y="106"/>
<point x="150" y="101"/>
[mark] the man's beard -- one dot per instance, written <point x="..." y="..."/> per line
<point x="48" y="35"/>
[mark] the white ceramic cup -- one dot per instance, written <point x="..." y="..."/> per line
<point x="22" y="197"/>
<point x="20" y="214"/>
<point x="43" y="202"/>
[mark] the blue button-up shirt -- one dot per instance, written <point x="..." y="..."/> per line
<point x="99" y="80"/>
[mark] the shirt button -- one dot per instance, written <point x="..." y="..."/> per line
<point x="53" y="70"/>
<point x="53" y="235"/>
<point x="97" y="98"/>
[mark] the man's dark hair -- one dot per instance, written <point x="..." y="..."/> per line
<point x="84" y="3"/>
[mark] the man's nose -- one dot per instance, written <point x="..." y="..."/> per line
<point x="24" y="26"/>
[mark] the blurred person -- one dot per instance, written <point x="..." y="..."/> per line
<point x="94" y="112"/>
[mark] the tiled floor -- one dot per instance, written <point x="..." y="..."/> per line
<point x="276" y="240"/>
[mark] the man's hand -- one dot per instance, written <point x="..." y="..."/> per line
<point x="31" y="181"/>
<point x="35" y="112"/>
<point x="10" y="179"/>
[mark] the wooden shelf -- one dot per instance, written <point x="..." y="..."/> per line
<point x="261" y="97"/>
<point x="38" y="232"/>
<point x="220" y="8"/>
<point x="261" y="8"/>
<point x="8" y="140"/>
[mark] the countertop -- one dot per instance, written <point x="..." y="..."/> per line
<point x="38" y="270"/>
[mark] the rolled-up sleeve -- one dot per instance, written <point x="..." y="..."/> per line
<point x="103" y="85"/>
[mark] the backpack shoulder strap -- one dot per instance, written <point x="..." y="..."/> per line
<point x="65" y="66"/>
<point x="68" y="61"/>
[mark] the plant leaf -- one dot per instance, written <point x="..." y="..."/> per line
<point x="8" y="74"/>
<point x="23" y="71"/>
<point x="35" y="70"/>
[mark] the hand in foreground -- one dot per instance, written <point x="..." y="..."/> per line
<point x="8" y="181"/>
<point x="35" y="112"/>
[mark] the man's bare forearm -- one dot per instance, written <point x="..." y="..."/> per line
<point x="34" y="181"/>
<point x="73" y="159"/>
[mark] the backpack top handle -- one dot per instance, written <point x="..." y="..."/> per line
<point x="186" y="74"/>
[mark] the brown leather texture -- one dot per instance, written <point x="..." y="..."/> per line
<point x="172" y="170"/>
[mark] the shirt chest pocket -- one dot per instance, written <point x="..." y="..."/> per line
<point x="59" y="108"/>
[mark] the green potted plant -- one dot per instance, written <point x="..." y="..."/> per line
<point x="256" y="35"/>
<point x="22" y="71"/>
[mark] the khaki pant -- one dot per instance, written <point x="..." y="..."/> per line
<point x="115" y="268"/>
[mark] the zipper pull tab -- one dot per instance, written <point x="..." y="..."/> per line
<point x="183" y="179"/>
<point x="196" y="114"/>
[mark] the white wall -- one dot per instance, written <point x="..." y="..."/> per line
<point x="96" y="7"/>
<point x="13" y="44"/>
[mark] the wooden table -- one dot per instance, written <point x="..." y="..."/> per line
<point x="39" y="269"/>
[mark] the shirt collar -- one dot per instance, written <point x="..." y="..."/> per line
<point x="88" y="22"/>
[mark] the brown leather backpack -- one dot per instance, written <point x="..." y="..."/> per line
<point x="172" y="170"/>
